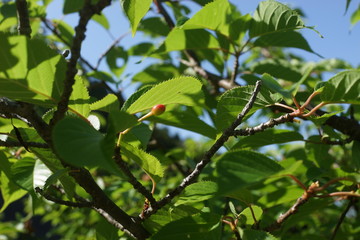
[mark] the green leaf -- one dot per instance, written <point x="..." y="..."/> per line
<point x="204" y="226"/>
<point x="10" y="192"/>
<point x="250" y="234"/>
<point x="66" y="32"/>
<point x="185" y="120"/>
<point x="79" y="144"/>
<point x="71" y="6"/>
<point x="154" y="26"/>
<point x="241" y="168"/>
<point x="22" y="173"/>
<point x="156" y="73"/>
<point x="274" y="86"/>
<point x="106" y="231"/>
<point x="79" y="99"/>
<point x="278" y="68"/>
<point x="135" y="10"/>
<point x="168" y="214"/>
<point x="271" y="16"/>
<point x="318" y="153"/>
<point x="102" y="20"/>
<point x="355" y="155"/>
<point x="107" y="104"/>
<point x="30" y="71"/>
<point x="198" y="192"/>
<point x="268" y="137"/>
<point x="233" y="101"/>
<point x="283" y="195"/>
<point x="150" y="164"/>
<point x="355" y="16"/>
<point x="181" y="90"/>
<point x="120" y="121"/>
<point x="53" y="178"/>
<point x="112" y="59"/>
<point x="134" y="97"/>
<point x="179" y="39"/>
<point x="284" y="39"/>
<point x="247" y="217"/>
<point x="344" y="87"/>
<point x="215" y="16"/>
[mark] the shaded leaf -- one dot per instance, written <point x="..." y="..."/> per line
<point x="281" y="196"/>
<point x="278" y="68"/>
<point x="154" y="26"/>
<point x="113" y="57"/>
<point x="343" y="87"/>
<point x="181" y="90"/>
<point x="79" y="144"/>
<point x="233" y="101"/>
<point x="71" y="6"/>
<point x="250" y="234"/>
<point x="284" y="39"/>
<point x="355" y="155"/>
<point x="268" y="137"/>
<point x="185" y="120"/>
<point x="203" y="226"/>
<point x="243" y="168"/>
<point x="198" y="192"/>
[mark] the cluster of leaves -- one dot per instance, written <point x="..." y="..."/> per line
<point x="66" y="132"/>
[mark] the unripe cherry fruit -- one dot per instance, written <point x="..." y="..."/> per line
<point x="158" y="109"/>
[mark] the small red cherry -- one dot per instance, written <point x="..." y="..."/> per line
<point x="158" y="109"/>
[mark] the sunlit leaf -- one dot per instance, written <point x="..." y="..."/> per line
<point x="107" y="104"/>
<point x="135" y="10"/>
<point x="343" y="87"/>
<point x="30" y="70"/>
<point x="181" y="90"/>
<point x="250" y="234"/>
<point x="146" y="161"/>
<point x="247" y="215"/>
<point x="271" y="16"/>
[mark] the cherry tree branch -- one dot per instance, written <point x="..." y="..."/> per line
<point x="263" y="126"/>
<point x="24" y="27"/>
<point x="207" y="156"/>
<point x="342" y="217"/>
<point x="131" y="178"/>
<point x="27" y="144"/>
<point x="85" y="15"/>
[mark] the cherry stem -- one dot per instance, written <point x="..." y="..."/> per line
<point x="309" y="100"/>
<point x="317" y="107"/>
<point x="285" y="106"/>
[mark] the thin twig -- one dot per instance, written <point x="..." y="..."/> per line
<point x="51" y="198"/>
<point x="27" y="144"/>
<point x="131" y="178"/>
<point x="235" y="68"/>
<point x="116" y="41"/>
<point x="341" y="219"/>
<point x="85" y="15"/>
<point x="208" y="155"/>
<point x="24" y="27"/>
<point x="263" y="126"/>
